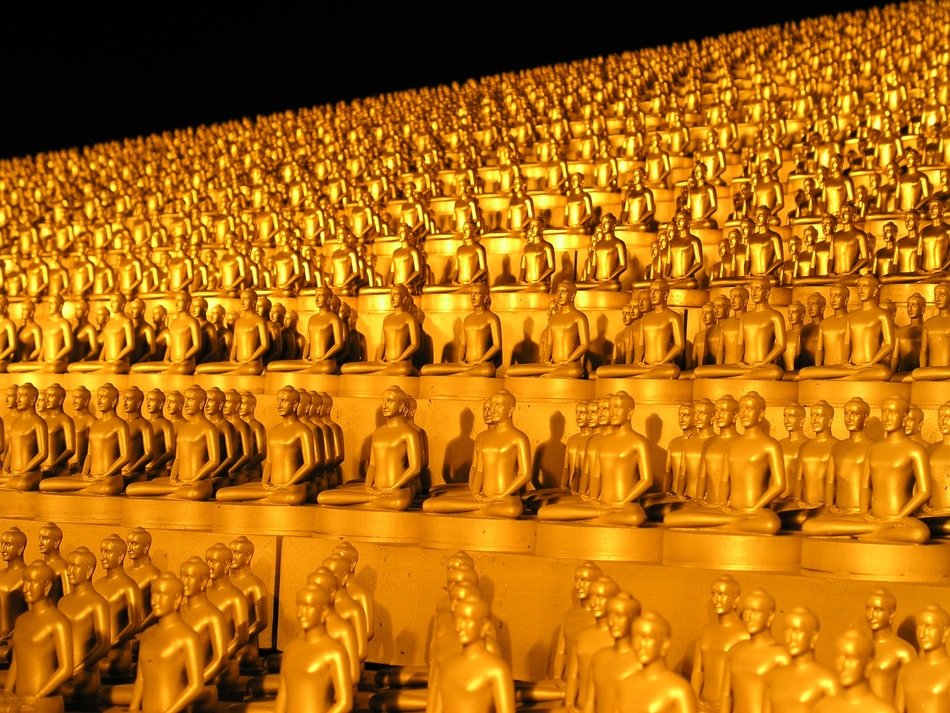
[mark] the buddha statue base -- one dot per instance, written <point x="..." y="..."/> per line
<point x="850" y="559"/>
<point x="718" y="550"/>
<point x="530" y="390"/>
<point x="91" y="509"/>
<point x="361" y="524"/>
<point x="361" y="385"/>
<point x="478" y="534"/>
<point x="579" y="541"/>
<point x="92" y="380"/>
<point x="259" y="518"/>
<point x="20" y="506"/>
<point x="242" y="382"/>
<point x="166" y="382"/>
<point x="456" y="387"/>
<point x="680" y="297"/>
<point x="592" y="298"/>
<point x="327" y="383"/>
<point x="167" y="513"/>
<point x="898" y="292"/>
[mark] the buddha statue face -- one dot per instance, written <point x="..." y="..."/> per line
<point x="796" y="314"/>
<point x="941" y="297"/>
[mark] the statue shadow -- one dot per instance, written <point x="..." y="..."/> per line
<point x="601" y="349"/>
<point x="452" y="351"/>
<point x="505" y="277"/>
<point x="457" y="461"/>
<point x="567" y="272"/>
<point x="653" y="431"/>
<point x="549" y="456"/>
<point x="368" y="576"/>
<point x="526" y="351"/>
<point x="487" y="585"/>
<point x="907" y="630"/>
<point x="367" y="445"/>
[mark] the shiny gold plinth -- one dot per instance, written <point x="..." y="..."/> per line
<point x="19" y="505"/>
<point x="167" y="513"/>
<point x="274" y="382"/>
<point x="720" y="550"/>
<point x="578" y="541"/>
<point x="588" y="300"/>
<point x="166" y="382"/>
<point x="688" y="298"/>
<point x="374" y="385"/>
<point x="457" y="387"/>
<point x="852" y="559"/>
<point x="529" y="389"/>
<point x="362" y="525"/>
<point x="252" y="519"/>
<point x="479" y="534"/>
<point x="254" y="384"/>
<point x="90" y="509"/>
<point x="91" y="381"/>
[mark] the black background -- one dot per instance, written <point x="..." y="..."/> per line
<point x="72" y="77"/>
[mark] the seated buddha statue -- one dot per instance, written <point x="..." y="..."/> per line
<point x="684" y="255"/>
<point x="935" y="340"/>
<point x="480" y="347"/>
<point x="579" y="208"/>
<point x="606" y="257"/>
<point x="326" y="340"/>
<point x="401" y="338"/>
<point x="639" y="206"/>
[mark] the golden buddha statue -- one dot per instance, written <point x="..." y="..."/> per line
<point x="935" y="241"/>
<point x="654" y="686"/>
<point x="42" y="647"/>
<point x="891" y="652"/>
<point x="480" y="347"/>
<point x="855" y="346"/>
<point x="569" y="340"/>
<point x="126" y="606"/>
<point x="897" y="487"/>
<point x="501" y="467"/>
<point x="27" y="444"/>
<point x="250" y="342"/>
<point x="715" y="640"/>
<point x="639" y="206"/>
<point x="394" y="465"/>
<point x="291" y="460"/>
<point x="407" y="266"/>
<point x="749" y="662"/>
<point x="935" y="340"/>
<point x="90" y="622"/>
<point x="803" y="683"/>
<point x="853" y="658"/>
<point x="169" y="674"/>
<point x="520" y="207"/>
<point x="701" y="199"/>
<point x="197" y="455"/>
<point x="183" y="342"/>
<point x="83" y="420"/>
<point x="341" y="629"/>
<point x="314" y="674"/>
<point x="401" y="340"/>
<point x="761" y="339"/>
<point x="923" y="681"/>
<point x="231" y="602"/>
<point x="751" y="475"/>
<point x="656" y="163"/>
<point x="611" y="666"/>
<point x="684" y="255"/>
<point x="49" y="540"/>
<point x="606" y="256"/>
<point x="117" y="340"/>
<point x="587" y="643"/>
<point x="55" y="345"/>
<point x="204" y="618"/>
<point x="12" y="603"/>
<point x="255" y="591"/>
<point x="807" y="485"/>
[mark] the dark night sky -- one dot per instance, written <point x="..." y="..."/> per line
<point x="69" y="79"/>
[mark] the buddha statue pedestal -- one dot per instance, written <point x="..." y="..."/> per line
<point x="92" y="380"/>
<point x="898" y="292"/>
<point x="360" y="386"/>
<point x="80" y="509"/>
<point x="579" y="541"/>
<point x="849" y="559"/>
<point x="680" y="297"/>
<point x="20" y="506"/>
<point x="477" y="534"/>
<point x="326" y="383"/>
<point x="242" y="382"/>
<point x="364" y="525"/>
<point x="715" y="550"/>
<point x="168" y="382"/>
<point x="168" y="513"/>
<point x="252" y="519"/>
<point x="777" y="395"/>
<point x="837" y="393"/>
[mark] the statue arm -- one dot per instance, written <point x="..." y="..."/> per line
<point x="503" y="690"/>
<point x="645" y="469"/>
<point x="494" y="327"/>
<point x="138" y="691"/>
<point x="697" y="675"/>
<point x="781" y="339"/>
<point x="148" y="450"/>
<point x="67" y="335"/>
<point x="415" y="339"/>
<point x="342" y="684"/>
<point x="219" y="652"/>
<point x="685" y="699"/>
<point x="621" y="261"/>
<point x="523" y="471"/>
<point x="482" y="259"/>
<point x="241" y="625"/>
<point x="308" y="450"/>
<point x="434" y="698"/>
<point x="246" y="451"/>
<point x="135" y="607"/>
<point x="924" y="347"/>
<point x="921" y="465"/>
<point x="129" y="342"/>
<point x="776" y="484"/>
<point x="191" y="656"/>
<point x="263" y="342"/>
<point x="11" y="340"/>
<point x="550" y="260"/>
<point x="900" y="699"/>
<point x="125" y="445"/>
<point x="725" y="695"/>
<point x="583" y="339"/>
<point x="213" y="449"/>
<point x="864" y="492"/>
<point x="413" y="460"/>
<point x="102" y="628"/>
<point x="887" y="340"/>
<point x="62" y="643"/>
<point x="42" y="446"/>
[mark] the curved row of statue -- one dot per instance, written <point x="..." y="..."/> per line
<point x="158" y="642"/>
<point x="741" y="335"/>
<point x="211" y="445"/>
